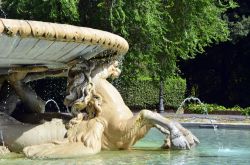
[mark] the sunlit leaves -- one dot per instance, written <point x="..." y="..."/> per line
<point x="63" y="11"/>
<point x="159" y="32"/>
<point x="163" y="31"/>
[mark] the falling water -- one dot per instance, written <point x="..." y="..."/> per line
<point x="197" y="100"/>
<point x="188" y="100"/>
<point x="2" y="11"/>
<point x="51" y="100"/>
<point x="67" y="109"/>
<point x="7" y="96"/>
<point x="1" y="136"/>
<point x="204" y="108"/>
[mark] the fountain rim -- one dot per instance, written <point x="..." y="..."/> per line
<point x="114" y="44"/>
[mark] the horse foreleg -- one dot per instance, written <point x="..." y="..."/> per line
<point x="180" y="138"/>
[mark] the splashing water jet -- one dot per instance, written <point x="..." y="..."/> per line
<point x="1" y="136"/>
<point x="51" y="100"/>
<point x="2" y="11"/>
<point x="180" y="110"/>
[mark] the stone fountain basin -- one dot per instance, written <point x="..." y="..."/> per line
<point x="34" y="43"/>
<point x="218" y="147"/>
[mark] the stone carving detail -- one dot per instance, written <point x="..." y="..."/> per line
<point x="106" y="124"/>
<point x="101" y="119"/>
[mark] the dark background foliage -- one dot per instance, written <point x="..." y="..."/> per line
<point x="222" y="74"/>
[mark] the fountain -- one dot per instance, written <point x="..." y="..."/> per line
<point x="53" y="101"/>
<point x="32" y="50"/>
<point x="3" y="149"/>
<point x="180" y="110"/>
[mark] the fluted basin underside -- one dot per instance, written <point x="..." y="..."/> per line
<point x="53" y="45"/>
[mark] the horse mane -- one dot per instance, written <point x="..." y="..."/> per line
<point x="80" y="93"/>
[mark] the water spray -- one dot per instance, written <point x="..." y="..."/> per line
<point x="2" y="11"/>
<point x="1" y="136"/>
<point x="51" y="100"/>
<point x="180" y="110"/>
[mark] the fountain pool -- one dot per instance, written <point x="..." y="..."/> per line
<point x="225" y="146"/>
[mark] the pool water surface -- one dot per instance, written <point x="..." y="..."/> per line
<point x="221" y="146"/>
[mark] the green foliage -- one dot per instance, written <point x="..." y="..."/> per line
<point x="239" y="28"/>
<point x="197" y="25"/>
<point x="139" y="94"/>
<point x="202" y="108"/>
<point x="160" y="32"/>
<point x="63" y="11"/>
<point x="95" y="13"/>
<point x="246" y="111"/>
<point x="145" y="94"/>
<point x="174" y="91"/>
<point x="221" y="76"/>
<point x="239" y="21"/>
